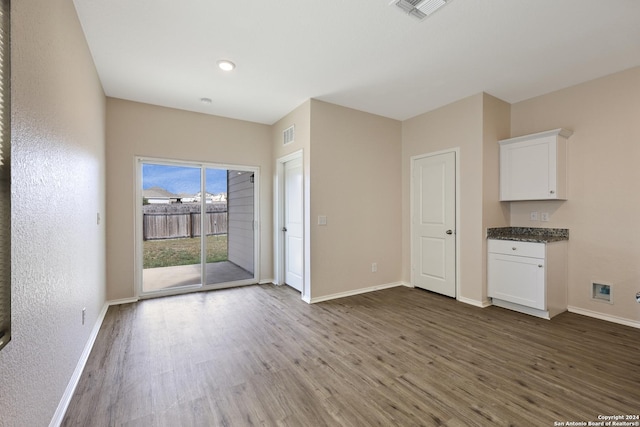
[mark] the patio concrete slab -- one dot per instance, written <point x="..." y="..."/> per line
<point x="155" y="279"/>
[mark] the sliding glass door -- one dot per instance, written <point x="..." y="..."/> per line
<point x="196" y="226"/>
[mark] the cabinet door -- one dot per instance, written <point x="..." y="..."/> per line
<point x="528" y="170"/>
<point x="516" y="279"/>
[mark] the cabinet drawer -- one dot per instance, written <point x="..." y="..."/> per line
<point x="514" y="247"/>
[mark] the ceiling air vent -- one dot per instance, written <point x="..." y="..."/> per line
<point x="288" y="135"/>
<point x="420" y="8"/>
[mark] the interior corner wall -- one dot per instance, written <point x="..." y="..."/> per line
<point x="457" y="125"/>
<point x="496" y="124"/>
<point x="603" y="206"/>
<point x="355" y="182"/>
<point x="300" y="118"/>
<point x="135" y="129"/>
<point x="58" y="174"/>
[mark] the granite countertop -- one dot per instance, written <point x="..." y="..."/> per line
<point x="528" y="234"/>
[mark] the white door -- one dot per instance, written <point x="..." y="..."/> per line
<point x="433" y="240"/>
<point x="293" y="224"/>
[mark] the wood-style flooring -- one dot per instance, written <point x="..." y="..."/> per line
<point x="258" y="355"/>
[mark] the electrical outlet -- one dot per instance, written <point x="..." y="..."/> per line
<point x="374" y="267"/>
<point x="84" y="314"/>
<point x="533" y="216"/>
<point x="544" y="216"/>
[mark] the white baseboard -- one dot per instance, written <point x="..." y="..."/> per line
<point x="122" y="301"/>
<point x="267" y="282"/>
<point x="77" y="373"/>
<point x="356" y="292"/>
<point x="602" y="316"/>
<point x="481" y="304"/>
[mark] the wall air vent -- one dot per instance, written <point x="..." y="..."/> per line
<point x="419" y="8"/>
<point x="288" y="135"/>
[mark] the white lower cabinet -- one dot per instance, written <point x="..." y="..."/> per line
<point x="528" y="277"/>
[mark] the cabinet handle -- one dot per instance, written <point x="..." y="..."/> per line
<point x="552" y="192"/>
<point x="449" y="231"/>
<point x="513" y="248"/>
<point x="540" y="265"/>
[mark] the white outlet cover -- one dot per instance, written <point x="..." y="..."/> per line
<point x="533" y="216"/>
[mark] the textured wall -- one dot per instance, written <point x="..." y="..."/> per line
<point x="58" y="254"/>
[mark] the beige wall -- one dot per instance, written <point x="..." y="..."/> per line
<point x="473" y="125"/>
<point x="301" y="119"/>
<point x="603" y="206"/>
<point x="135" y="129"/>
<point x="355" y="182"/>
<point x="58" y="257"/>
<point x="457" y="125"/>
<point x="496" y="116"/>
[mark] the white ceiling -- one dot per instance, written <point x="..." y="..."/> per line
<point x="363" y="54"/>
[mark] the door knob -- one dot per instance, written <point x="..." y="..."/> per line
<point x="449" y="231"/>
<point x="284" y="228"/>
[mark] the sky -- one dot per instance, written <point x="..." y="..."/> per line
<point x="182" y="179"/>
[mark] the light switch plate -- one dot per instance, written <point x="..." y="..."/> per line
<point x="533" y="216"/>
<point x="322" y="220"/>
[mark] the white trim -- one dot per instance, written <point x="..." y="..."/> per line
<point x="602" y="316"/>
<point x="356" y="292"/>
<point x="458" y="227"/>
<point x="278" y="215"/>
<point x="565" y="133"/>
<point x="77" y="373"/>
<point x="122" y="301"/>
<point x="543" y="314"/>
<point x="481" y="304"/>
<point x="138" y="282"/>
<point x="267" y="282"/>
<point x="167" y="292"/>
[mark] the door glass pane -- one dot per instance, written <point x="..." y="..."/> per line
<point x="229" y="223"/>
<point x="171" y="200"/>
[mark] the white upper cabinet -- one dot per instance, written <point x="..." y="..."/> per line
<point x="534" y="167"/>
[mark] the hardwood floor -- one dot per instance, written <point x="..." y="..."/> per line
<point x="260" y="356"/>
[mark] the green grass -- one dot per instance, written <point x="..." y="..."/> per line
<point x="170" y="252"/>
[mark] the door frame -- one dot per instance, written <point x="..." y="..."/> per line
<point x="137" y="235"/>
<point x="413" y="159"/>
<point x="278" y="236"/>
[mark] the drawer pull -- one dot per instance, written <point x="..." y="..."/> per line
<point x="540" y="265"/>
<point x="513" y="248"/>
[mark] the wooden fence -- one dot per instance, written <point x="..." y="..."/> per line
<point x="173" y="225"/>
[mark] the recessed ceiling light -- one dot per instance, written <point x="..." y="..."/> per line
<point x="206" y="100"/>
<point x="226" y="65"/>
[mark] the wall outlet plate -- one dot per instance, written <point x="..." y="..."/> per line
<point x="533" y="216"/>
